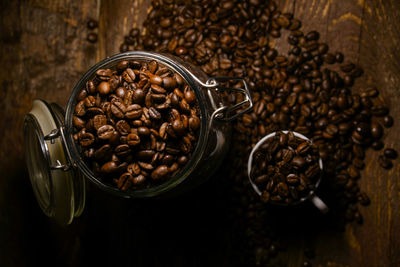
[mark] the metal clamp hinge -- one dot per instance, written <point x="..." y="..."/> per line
<point x="54" y="134"/>
<point x="228" y="113"/>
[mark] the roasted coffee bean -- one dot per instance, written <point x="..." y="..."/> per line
<point x="129" y="75"/>
<point x="103" y="152"/>
<point x="154" y="114"/>
<point x="299" y="162"/>
<point x="178" y="127"/>
<point x="133" y="168"/>
<point x="194" y="123"/>
<point x="133" y="139"/>
<point x="138" y="96"/>
<point x="377" y="145"/>
<point x="364" y="199"/>
<point x="379" y="110"/>
<point x="384" y="162"/>
<point x="390" y="153"/>
<point x="122" y="150"/>
<point x="145" y="166"/>
<point x="92" y="24"/>
<point x="169" y="83"/>
<point x="133" y="112"/>
<point x="78" y="122"/>
<point x="160" y="172"/>
<point x="388" y="121"/>
<point x="123" y="127"/>
<point x="190" y="97"/>
<point x="105" y="132"/>
<point x="118" y="109"/>
<point x="104" y="88"/>
<point x="86" y="139"/>
<point x="303" y="148"/>
<point x="98" y="121"/>
<point x="143" y="130"/>
<point x="92" y="37"/>
<point x="109" y="167"/>
<point x="376" y="130"/>
<point x="139" y="180"/>
<point x="292" y="179"/>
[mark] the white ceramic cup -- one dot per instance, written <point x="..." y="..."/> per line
<point x="318" y="203"/>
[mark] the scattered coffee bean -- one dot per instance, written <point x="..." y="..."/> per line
<point x="92" y="24"/>
<point x="388" y="121"/>
<point x="92" y="37"/>
<point x="390" y="153"/>
<point x="384" y="162"/>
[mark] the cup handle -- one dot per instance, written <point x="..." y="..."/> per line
<point x="319" y="204"/>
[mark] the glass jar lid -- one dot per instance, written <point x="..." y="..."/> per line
<point x="59" y="188"/>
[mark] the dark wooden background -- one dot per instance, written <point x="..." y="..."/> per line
<point x="43" y="53"/>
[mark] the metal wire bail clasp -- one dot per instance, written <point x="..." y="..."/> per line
<point x="228" y="113"/>
<point x="54" y="134"/>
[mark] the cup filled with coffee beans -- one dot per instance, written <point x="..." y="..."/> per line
<point x="137" y="124"/>
<point x="284" y="168"/>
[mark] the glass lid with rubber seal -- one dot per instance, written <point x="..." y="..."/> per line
<point x="59" y="188"/>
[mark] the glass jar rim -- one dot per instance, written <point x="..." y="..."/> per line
<point x="172" y="63"/>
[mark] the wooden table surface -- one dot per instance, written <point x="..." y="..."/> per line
<point x="43" y="53"/>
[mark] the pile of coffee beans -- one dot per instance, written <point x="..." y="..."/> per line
<point x="293" y="90"/>
<point x="137" y="125"/>
<point x="285" y="168"/>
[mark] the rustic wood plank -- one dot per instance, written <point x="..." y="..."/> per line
<point x="43" y="51"/>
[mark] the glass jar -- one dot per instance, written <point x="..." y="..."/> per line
<point x="58" y="172"/>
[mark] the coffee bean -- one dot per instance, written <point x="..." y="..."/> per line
<point x="178" y="127"/>
<point x="379" y="110"/>
<point x="123" y="127"/>
<point x="92" y="37"/>
<point x="98" y="121"/>
<point x="388" y="121"/>
<point x="86" y="139"/>
<point x="122" y="150"/>
<point x="78" y="122"/>
<point x="303" y="148"/>
<point x="133" y="139"/>
<point x="390" y="153"/>
<point x="118" y="109"/>
<point x="105" y="132"/>
<point x="132" y="112"/>
<point x="109" y="167"/>
<point x="160" y="172"/>
<point x="92" y="24"/>
<point x="129" y="75"/>
<point x="292" y="179"/>
<point x="143" y="130"/>
<point x="377" y="145"/>
<point x="103" y="152"/>
<point x="298" y="161"/>
<point x="124" y="181"/>
<point x="194" y="123"/>
<point x="376" y="130"/>
<point x="154" y="114"/>
<point x="384" y="162"/>
<point x="313" y="35"/>
<point x="104" y="74"/>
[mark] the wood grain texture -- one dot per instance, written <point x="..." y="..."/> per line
<point x="43" y="53"/>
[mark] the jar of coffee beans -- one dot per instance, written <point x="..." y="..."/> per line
<point x="137" y="125"/>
